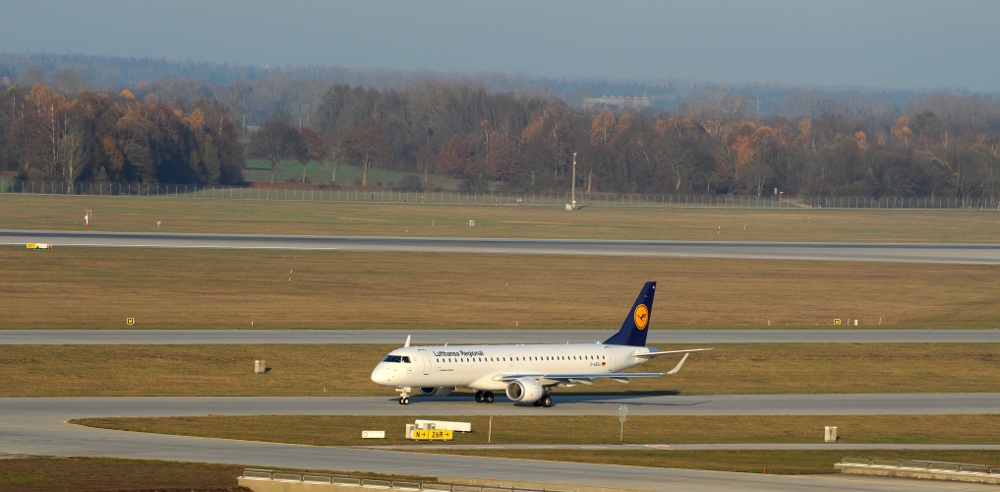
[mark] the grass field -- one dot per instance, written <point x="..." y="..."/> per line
<point x="99" y="288"/>
<point x="344" y="370"/>
<point x="335" y="430"/>
<point x="774" y="462"/>
<point x="140" y="214"/>
<point x="883" y="429"/>
<point x="105" y="474"/>
<point x="74" y="474"/>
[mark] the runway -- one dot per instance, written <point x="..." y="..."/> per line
<point x="478" y="337"/>
<point x="984" y="254"/>
<point x="35" y="426"/>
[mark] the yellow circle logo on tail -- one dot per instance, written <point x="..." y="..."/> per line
<point x="641" y="316"/>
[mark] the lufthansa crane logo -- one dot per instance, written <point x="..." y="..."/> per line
<point x="641" y="316"/>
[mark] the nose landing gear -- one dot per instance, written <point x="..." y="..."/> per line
<point x="404" y="395"/>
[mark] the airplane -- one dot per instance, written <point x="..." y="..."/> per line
<point x="525" y="373"/>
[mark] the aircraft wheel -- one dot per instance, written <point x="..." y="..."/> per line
<point x="479" y="397"/>
<point x="404" y="401"/>
<point x="536" y="403"/>
<point x="546" y="401"/>
<point x="488" y="397"/>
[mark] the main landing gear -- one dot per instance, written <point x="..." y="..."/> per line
<point x="544" y="401"/>
<point x="484" y="397"/>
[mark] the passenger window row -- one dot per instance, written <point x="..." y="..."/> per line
<point x="514" y="359"/>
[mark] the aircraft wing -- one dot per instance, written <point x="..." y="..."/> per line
<point x="567" y="380"/>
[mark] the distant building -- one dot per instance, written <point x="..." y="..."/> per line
<point x="621" y="102"/>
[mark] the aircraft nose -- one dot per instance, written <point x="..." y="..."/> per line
<point x="380" y="375"/>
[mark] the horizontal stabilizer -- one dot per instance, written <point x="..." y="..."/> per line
<point x="655" y="353"/>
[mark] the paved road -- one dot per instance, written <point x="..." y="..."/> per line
<point x="36" y="426"/>
<point x="432" y="337"/>
<point x="893" y="252"/>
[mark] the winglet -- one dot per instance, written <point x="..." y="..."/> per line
<point x="407" y="344"/>
<point x="679" y="364"/>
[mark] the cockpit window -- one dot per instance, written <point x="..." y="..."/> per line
<point x="392" y="358"/>
<point x="406" y="359"/>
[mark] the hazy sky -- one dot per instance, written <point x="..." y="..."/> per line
<point x="872" y="43"/>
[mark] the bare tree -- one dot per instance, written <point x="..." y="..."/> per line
<point x="368" y="144"/>
<point x="276" y="141"/>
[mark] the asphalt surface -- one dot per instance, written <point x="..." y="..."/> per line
<point x="986" y="254"/>
<point x="36" y="426"/>
<point x="476" y="337"/>
<point x="565" y="404"/>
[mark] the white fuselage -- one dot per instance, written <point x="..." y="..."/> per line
<point x="482" y="367"/>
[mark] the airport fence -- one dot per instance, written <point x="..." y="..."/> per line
<point x="379" y="483"/>
<point x="358" y="195"/>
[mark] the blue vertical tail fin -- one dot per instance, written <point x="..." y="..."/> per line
<point x="633" y="330"/>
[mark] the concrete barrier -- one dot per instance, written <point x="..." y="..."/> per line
<point x="261" y="480"/>
<point x="925" y="470"/>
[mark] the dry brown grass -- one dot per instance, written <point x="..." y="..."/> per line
<point x="882" y="429"/>
<point x="271" y="217"/>
<point x="98" y="288"/>
<point x="339" y="430"/>
<point x="339" y="370"/>
<point x="106" y="474"/>
<point x="774" y="462"/>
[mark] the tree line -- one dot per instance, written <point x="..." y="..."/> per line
<point x="45" y="135"/>
<point x="940" y="145"/>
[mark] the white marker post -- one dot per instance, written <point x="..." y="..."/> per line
<point x="622" y="417"/>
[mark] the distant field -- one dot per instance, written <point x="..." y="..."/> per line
<point x="259" y="170"/>
<point x="99" y="288"/>
<point x="344" y="370"/>
<point x="140" y="214"/>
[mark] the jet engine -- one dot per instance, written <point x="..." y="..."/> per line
<point x="438" y="391"/>
<point x="525" y="390"/>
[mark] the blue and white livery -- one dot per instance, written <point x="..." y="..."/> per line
<point x="526" y="373"/>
